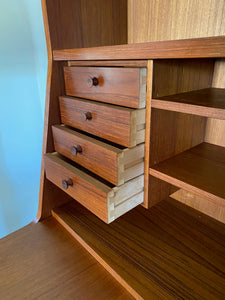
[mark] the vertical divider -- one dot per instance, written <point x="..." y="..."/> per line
<point x="147" y="131"/>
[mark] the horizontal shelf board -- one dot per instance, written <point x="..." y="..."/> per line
<point x="187" y="48"/>
<point x="200" y="170"/>
<point x="169" y="251"/>
<point x="208" y="102"/>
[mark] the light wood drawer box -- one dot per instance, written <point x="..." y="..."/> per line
<point x="114" y="164"/>
<point x="105" y="201"/>
<point x="124" y="126"/>
<point x="121" y="86"/>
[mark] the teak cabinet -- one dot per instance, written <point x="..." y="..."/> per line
<point x="126" y="124"/>
<point x="124" y="117"/>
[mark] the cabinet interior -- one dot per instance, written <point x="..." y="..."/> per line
<point x="184" y="141"/>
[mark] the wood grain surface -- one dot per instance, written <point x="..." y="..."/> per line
<point x="96" y="156"/>
<point x="205" y="102"/>
<point x="86" y="23"/>
<point x="167" y="252"/>
<point x="42" y="261"/>
<point x="100" y="197"/>
<point x="176" y="76"/>
<point x="175" y="19"/>
<point x="87" y="190"/>
<point x="49" y="195"/>
<point x="109" y="63"/>
<point x="120" y="86"/>
<point x="147" y="132"/>
<point x="200" y="170"/>
<point x="119" y="123"/>
<point x="173" y="133"/>
<point x="206" y="206"/>
<point x="187" y="48"/>
<point x="116" y="165"/>
<point x="150" y="21"/>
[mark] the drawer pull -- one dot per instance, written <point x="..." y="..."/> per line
<point x="75" y="149"/>
<point x="92" y="81"/>
<point x="67" y="183"/>
<point x="86" y="116"/>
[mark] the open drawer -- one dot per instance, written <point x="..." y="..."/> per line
<point x="106" y="201"/>
<point x="120" y="125"/>
<point x="113" y="163"/>
<point x="120" y="86"/>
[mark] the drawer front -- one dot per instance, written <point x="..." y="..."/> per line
<point x="120" y="125"/>
<point x="105" y="201"/>
<point x="120" y="86"/>
<point x="114" y="164"/>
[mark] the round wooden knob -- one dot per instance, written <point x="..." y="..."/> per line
<point x="75" y="149"/>
<point x="86" y="116"/>
<point x="66" y="183"/>
<point x="92" y="81"/>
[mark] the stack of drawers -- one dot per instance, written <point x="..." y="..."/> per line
<point x="99" y="158"/>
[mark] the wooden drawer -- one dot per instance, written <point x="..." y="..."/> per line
<point x="124" y="126"/>
<point x="116" y="165"/>
<point x="105" y="201"/>
<point x="121" y="86"/>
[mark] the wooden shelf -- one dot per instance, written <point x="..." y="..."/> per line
<point x="42" y="261"/>
<point x="186" y="48"/>
<point x="169" y="251"/>
<point x="200" y="170"/>
<point x="208" y="102"/>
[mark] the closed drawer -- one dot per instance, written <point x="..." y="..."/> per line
<point x="116" y="165"/>
<point x="124" y="126"/>
<point x="105" y="201"/>
<point x="121" y="86"/>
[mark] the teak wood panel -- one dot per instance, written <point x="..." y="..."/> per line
<point x="42" y="261"/>
<point x="150" y="21"/>
<point x="161" y="20"/>
<point x="120" y="125"/>
<point x="85" y="23"/>
<point x="200" y="170"/>
<point x="205" y="102"/>
<point x="206" y="206"/>
<point x="109" y="63"/>
<point x="190" y="48"/>
<point x="147" y="132"/>
<point x="215" y="132"/>
<point x="167" y="252"/>
<point x="173" y="133"/>
<point x="105" y="201"/>
<point x="176" y="76"/>
<point x="49" y="195"/>
<point x="120" y="86"/>
<point x="116" y="165"/>
<point x="215" y="129"/>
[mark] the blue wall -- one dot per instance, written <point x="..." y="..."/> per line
<point x="23" y="69"/>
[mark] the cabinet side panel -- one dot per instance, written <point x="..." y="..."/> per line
<point x="49" y="195"/>
<point x="215" y="129"/>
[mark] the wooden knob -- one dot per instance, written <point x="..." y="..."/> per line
<point x="86" y="116"/>
<point x="92" y="81"/>
<point x="66" y="183"/>
<point x="75" y="149"/>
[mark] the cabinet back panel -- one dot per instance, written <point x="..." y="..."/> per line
<point x="86" y="23"/>
<point x="173" y="133"/>
<point x="181" y="75"/>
